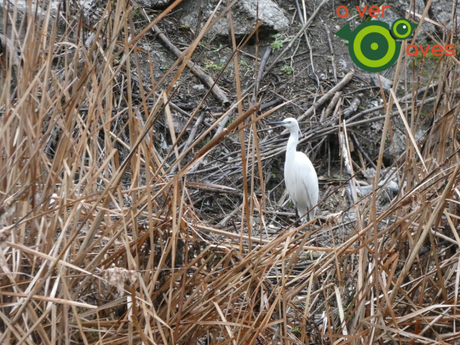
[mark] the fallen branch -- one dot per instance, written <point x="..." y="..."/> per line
<point x="331" y="106"/>
<point x="214" y="141"/>
<point x="331" y="48"/>
<point x="270" y="104"/>
<point x="327" y="96"/>
<point x="265" y="241"/>
<point x="347" y="162"/>
<point x="204" y="77"/>
<point x="263" y="62"/>
<point x="353" y="106"/>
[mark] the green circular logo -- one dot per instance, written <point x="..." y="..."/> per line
<point x="372" y="46"/>
<point x="401" y="29"/>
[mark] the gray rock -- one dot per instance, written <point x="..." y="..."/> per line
<point x="389" y="179"/>
<point x="386" y="83"/>
<point x="244" y="15"/>
<point x="199" y="87"/>
<point x="399" y="140"/>
<point x="20" y="8"/>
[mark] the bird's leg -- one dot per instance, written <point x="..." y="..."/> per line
<point x="297" y="215"/>
<point x="299" y="218"/>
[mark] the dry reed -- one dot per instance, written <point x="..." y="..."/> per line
<point x="101" y="244"/>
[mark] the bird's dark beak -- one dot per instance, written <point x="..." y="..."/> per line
<point x="275" y="123"/>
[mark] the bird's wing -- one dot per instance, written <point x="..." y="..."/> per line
<point x="307" y="180"/>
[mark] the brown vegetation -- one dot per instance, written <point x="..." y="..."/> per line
<point x="102" y="244"/>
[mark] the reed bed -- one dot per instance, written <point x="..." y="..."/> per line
<point x="103" y="239"/>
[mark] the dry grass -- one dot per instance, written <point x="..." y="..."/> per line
<point x="103" y="249"/>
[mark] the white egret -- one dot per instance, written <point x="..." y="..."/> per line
<point x="299" y="174"/>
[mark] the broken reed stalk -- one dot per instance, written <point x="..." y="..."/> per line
<point x="247" y="200"/>
<point x="239" y="121"/>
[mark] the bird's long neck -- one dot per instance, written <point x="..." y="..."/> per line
<point x="292" y="144"/>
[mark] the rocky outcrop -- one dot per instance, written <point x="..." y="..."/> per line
<point x="244" y="14"/>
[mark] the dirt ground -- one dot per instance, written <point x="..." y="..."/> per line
<point x="301" y="77"/>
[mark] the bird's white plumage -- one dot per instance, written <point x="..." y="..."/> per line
<point x="299" y="174"/>
<point x="302" y="184"/>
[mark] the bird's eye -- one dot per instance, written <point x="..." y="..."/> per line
<point x="401" y="29"/>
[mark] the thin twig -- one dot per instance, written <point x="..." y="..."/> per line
<point x="204" y="77"/>
<point x="331" y="49"/>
